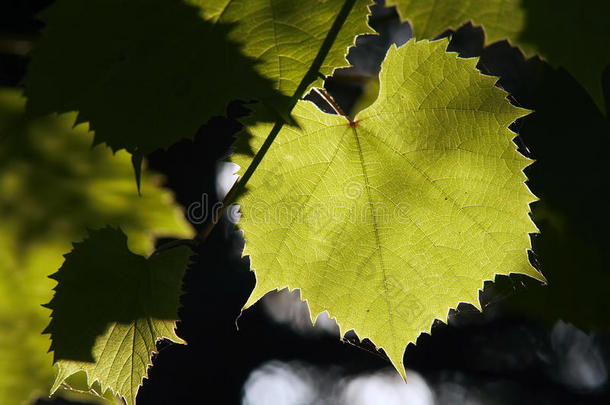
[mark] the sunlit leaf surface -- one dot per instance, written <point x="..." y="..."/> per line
<point x="390" y="221"/>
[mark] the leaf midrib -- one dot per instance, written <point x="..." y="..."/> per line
<point x="375" y="228"/>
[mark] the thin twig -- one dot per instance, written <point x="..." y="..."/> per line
<point x="311" y="75"/>
<point x="229" y="198"/>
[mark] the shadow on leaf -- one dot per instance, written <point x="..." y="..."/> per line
<point x="568" y="137"/>
<point x="101" y="284"/>
<point x="144" y="74"/>
<point x="571" y="34"/>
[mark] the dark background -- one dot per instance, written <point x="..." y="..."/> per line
<point x="532" y="344"/>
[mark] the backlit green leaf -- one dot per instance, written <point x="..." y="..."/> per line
<point x="109" y="309"/>
<point x="572" y="34"/>
<point x="389" y="222"/>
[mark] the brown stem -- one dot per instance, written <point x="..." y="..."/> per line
<point x="331" y="101"/>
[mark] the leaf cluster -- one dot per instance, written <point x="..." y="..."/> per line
<point x="386" y="218"/>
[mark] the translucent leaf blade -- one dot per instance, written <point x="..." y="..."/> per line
<point x="389" y="222"/>
<point x="109" y="309"/>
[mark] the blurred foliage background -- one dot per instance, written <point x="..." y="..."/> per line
<point x="53" y="186"/>
<point x="531" y="345"/>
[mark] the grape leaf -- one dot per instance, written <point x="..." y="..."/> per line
<point x="143" y="73"/>
<point x="286" y="35"/>
<point x="53" y="186"/>
<point x="565" y="33"/>
<point x="110" y="307"/>
<point x="146" y="73"/>
<point x="389" y="222"/>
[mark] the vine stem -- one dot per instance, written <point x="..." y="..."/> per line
<point x="311" y="76"/>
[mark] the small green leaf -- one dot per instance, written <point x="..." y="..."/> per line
<point x="54" y="185"/>
<point x="572" y="34"/>
<point x="390" y="221"/>
<point x="109" y="309"/>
